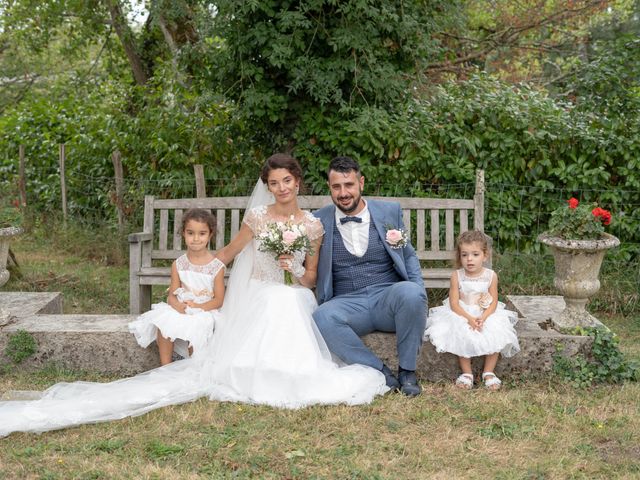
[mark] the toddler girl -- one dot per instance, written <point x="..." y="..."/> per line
<point x="195" y="293"/>
<point x="472" y="322"/>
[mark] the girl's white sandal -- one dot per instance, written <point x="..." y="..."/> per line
<point x="493" y="382"/>
<point x="465" y="381"/>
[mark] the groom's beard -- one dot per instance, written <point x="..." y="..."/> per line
<point x="350" y="207"/>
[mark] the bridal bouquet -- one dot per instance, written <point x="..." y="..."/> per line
<point x="284" y="238"/>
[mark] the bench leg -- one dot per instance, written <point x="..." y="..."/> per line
<point x="145" y="298"/>
<point x="139" y="298"/>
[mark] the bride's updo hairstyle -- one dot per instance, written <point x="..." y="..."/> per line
<point x="282" y="160"/>
<point x="468" y="237"/>
<point x="199" y="215"/>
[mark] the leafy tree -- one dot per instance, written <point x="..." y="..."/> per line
<point x="282" y="59"/>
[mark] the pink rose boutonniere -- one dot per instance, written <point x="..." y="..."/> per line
<point x="396" y="238"/>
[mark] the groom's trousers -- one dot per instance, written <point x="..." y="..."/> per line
<point x="390" y="307"/>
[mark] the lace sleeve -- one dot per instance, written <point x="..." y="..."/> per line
<point x="215" y="266"/>
<point x="314" y="227"/>
<point x="254" y="217"/>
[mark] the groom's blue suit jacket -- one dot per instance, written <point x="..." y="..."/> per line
<point x="384" y="215"/>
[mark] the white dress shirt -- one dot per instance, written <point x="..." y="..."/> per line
<point x="355" y="235"/>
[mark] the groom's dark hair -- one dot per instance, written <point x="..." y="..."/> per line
<point x="343" y="165"/>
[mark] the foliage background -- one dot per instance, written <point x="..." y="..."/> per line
<point x="543" y="95"/>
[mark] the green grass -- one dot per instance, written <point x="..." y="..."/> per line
<point x="534" y="428"/>
<point x="530" y="429"/>
<point x="88" y="268"/>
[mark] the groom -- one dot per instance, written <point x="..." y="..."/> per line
<point x="369" y="278"/>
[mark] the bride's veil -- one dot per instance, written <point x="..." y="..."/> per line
<point x="243" y="264"/>
<point x="235" y="324"/>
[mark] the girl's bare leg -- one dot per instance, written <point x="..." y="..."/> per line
<point x="490" y="362"/>
<point x="165" y="348"/>
<point x="465" y="364"/>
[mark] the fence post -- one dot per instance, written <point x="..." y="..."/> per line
<point x="116" y="158"/>
<point x="198" y="171"/>
<point x="63" y="185"/>
<point x="22" y="180"/>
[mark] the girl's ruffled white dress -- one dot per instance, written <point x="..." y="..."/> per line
<point x="450" y="332"/>
<point x="194" y="328"/>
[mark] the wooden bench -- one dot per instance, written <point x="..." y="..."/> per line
<point x="433" y="224"/>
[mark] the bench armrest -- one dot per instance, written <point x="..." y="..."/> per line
<point x="140" y="237"/>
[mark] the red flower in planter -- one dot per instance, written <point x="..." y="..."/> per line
<point x="573" y="202"/>
<point x="579" y="221"/>
<point x="603" y="215"/>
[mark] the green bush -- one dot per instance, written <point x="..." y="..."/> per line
<point x="536" y="151"/>
<point x="607" y="365"/>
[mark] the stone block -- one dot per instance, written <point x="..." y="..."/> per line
<point x="84" y="342"/>
<point x="27" y="304"/>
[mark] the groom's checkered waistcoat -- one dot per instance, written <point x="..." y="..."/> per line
<point x="351" y="273"/>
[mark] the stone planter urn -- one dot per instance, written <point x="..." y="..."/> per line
<point x="6" y="234"/>
<point x="577" y="265"/>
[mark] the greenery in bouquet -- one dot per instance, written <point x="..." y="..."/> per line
<point x="578" y="221"/>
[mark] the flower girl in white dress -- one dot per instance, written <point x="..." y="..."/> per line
<point x="472" y="322"/>
<point x="195" y="294"/>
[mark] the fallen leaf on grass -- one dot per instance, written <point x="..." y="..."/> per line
<point x="293" y="454"/>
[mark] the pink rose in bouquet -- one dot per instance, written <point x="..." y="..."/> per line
<point x="289" y="237"/>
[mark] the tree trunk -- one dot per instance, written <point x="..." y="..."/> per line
<point x="126" y="37"/>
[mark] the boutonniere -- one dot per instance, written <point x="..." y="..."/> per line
<point x="396" y="238"/>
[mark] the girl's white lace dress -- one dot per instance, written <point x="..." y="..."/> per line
<point x="450" y="332"/>
<point x="265" y="350"/>
<point x="194" y="328"/>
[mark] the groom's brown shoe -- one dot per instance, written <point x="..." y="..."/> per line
<point x="409" y="383"/>
<point x="392" y="381"/>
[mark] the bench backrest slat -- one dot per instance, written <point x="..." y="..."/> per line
<point x="177" y="230"/>
<point x="420" y="230"/>
<point x="449" y="226"/>
<point x="435" y="230"/>
<point x="235" y="222"/>
<point x="464" y="220"/>
<point x="164" y="228"/>
<point x="221" y="219"/>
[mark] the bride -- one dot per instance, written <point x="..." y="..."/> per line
<point x="266" y="350"/>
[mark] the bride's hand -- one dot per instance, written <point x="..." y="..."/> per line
<point x="289" y="263"/>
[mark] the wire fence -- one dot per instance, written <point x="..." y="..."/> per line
<point x="514" y="216"/>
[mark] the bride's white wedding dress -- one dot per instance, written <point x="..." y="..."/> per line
<point x="265" y="350"/>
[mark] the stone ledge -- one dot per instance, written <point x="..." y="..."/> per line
<point x="84" y="342"/>
<point x="27" y="304"/>
<point x="103" y="343"/>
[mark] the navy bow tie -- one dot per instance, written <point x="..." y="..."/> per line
<point x="344" y="220"/>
